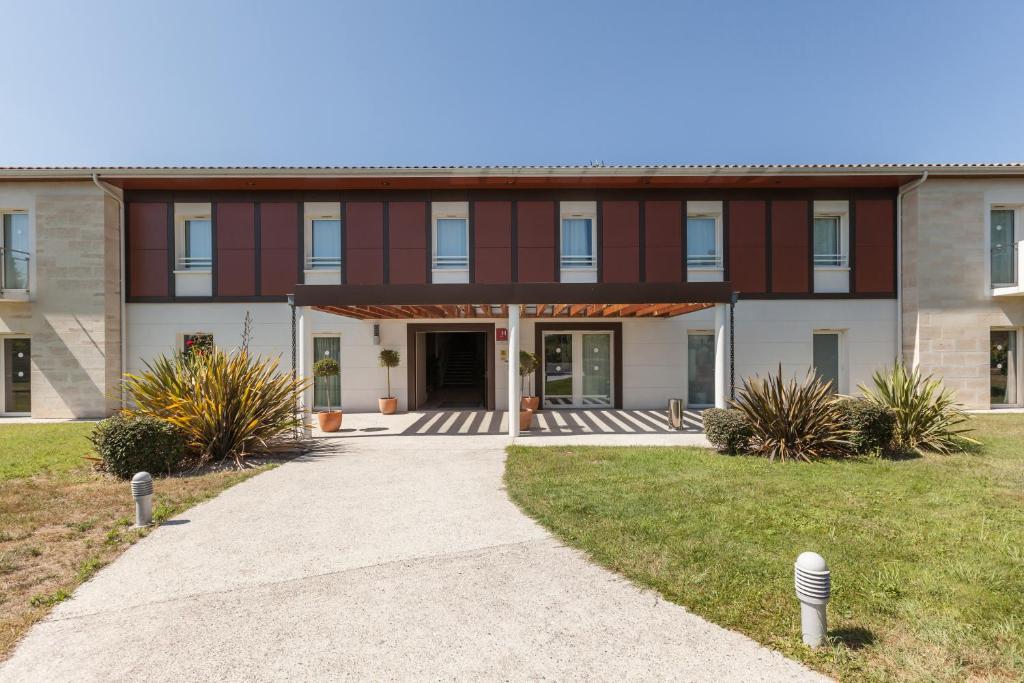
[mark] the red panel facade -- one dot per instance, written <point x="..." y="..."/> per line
<point x="279" y="244"/>
<point x="407" y="243"/>
<point x="536" y="241"/>
<point x="492" y="242"/>
<point x="663" y="241"/>
<point x="790" y="247"/>
<point x="620" y="241"/>
<point x="147" y="249"/>
<point x="364" y="243"/>
<point x="236" y="249"/>
<point x="747" y="240"/>
<point x="874" y="246"/>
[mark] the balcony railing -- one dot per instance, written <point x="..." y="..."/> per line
<point x="14" y="269"/>
<point x="830" y="260"/>
<point x="323" y="262"/>
<point x="579" y="261"/>
<point x="1004" y="264"/>
<point x="704" y="261"/>
<point x="198" y="263"/>
<point x="442" y="262"/>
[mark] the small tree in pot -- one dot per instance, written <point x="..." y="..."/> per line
<point x="527" y="366"/>
<point x="389" y="358"/>
<point x="330" y="420"/>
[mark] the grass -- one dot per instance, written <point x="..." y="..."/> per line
<point x="927" y="554"/>
<point x="61" y="522"/>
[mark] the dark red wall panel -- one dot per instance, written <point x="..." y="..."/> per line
<point x="407" y="243"/>
<point x="279" y="248"/>
<point x="147" y="249"/>
<point x="875" y="246"/>
<point x="747" y="244"/>
<point x="236" y="249"/>
<point x="537" y="240"/>
<point x="663" y="241"/>
<point x="620" y="241"/>
<point x="364" y="243"/>
<point x="492" y="241"/>
<point x="790" y="247"/>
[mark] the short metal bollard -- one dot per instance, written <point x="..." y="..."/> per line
<point x="142" y="491"/>
<point x="676" y="408"/>
<point x="813" y="588"/>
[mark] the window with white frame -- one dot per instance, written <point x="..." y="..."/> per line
<point x="450" y="236"/>
<point x="1003" y="245"/>
<point x="831" y="234"/>
<point x="704" y="235"/>
<point x="323" y="235"/>
<point x="15" y="246"/>
<point x="194" y="236"/>
<point x="578" y="236"/>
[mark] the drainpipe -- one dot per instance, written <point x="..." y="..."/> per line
<point x="904" y="189"/>
<point x="108" y="190"/>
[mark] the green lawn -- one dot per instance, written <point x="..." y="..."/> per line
<point x="927" y="554"/>
<point x="28" y="449"/>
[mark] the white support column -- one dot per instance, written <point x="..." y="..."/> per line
<point x="721" y="356"/>
<point x="305" y="367"/>
<point x="513" y="370"/>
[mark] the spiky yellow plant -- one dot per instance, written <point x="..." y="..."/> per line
<point x="228" y="404"/>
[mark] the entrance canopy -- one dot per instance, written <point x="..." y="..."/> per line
<point x="534" y="300"/>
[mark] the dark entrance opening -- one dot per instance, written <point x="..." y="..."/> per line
<point x="455" y="370"/>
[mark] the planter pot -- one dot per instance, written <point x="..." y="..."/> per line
<point x="388" y="406"/>
<point x="330" y="420"/>
<point x="525" y="419"/>
<point x="529" y="403"/>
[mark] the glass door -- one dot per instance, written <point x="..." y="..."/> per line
<point x="587" y="383"/>
<point x="1003" y="367"/>
<point x="700" y="369"/>
<point x="17" y="376"/>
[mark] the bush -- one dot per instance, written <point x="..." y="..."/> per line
<point x="793" y="421"/>
<point x="226" y="404"/>
<point x="927" y="416"/>
<point x="131" y="444"/>
<point x="871" y="426"/>
<point x="727" y="430"/>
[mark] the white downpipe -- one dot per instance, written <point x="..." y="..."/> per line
<point x="122" y="282"/>
<point x="513" y="370"/>
<point x="305" y="367"/>
<point x="904" y="189"/>
<point x="721" y="368"/>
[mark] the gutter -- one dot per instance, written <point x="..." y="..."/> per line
<point x="904" y="189"/>
<point x="122" y="283"/>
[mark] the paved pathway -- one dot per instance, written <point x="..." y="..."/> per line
<point x="387" y="558"/>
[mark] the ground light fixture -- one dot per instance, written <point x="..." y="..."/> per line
<point x="142" y="491"/>
<point x="813" y="588"/>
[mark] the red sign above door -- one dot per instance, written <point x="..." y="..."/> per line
<point x="501" y="333"/>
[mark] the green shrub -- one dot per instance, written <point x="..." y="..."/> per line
<point x="129" y="444"/>
<point x="791" y="421"/>
<point x="871" y="425"/>
<point x="727" y="430"/>
<point x="927" y="416"/>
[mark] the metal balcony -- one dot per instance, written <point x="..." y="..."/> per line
<point x="14" y="273"/>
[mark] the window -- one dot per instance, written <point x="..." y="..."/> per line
<point x="198" y="244"/>
<point x="327" y="390"/>
<point x="826" y="359"/>
<point x="200" y="342"/>
<point x="326" y="248"/>
<point x="700" y="368"/>
<point x="704" y="238"/>
<point x="578" y="243"/>
<point x="1004" y="246"/>
<point x="828" y="241"/>
<point x="1003" y="361"/>
<point x="451" y="243"/>
<point x="15" y="251"/>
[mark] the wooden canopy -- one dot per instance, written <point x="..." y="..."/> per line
<point x="462" y="311"/>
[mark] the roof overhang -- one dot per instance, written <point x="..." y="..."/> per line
<point x="539" y="300"/>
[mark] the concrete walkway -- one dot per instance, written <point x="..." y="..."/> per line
<point x="385" y="558"/>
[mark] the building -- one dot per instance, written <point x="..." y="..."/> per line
<point x="621" y="278"/>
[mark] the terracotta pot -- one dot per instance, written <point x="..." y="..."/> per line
<point x="330" y="420"/>
<point x="529" y="403"/>
<point x="525" y="419"/>
<point x="388" y="406"/>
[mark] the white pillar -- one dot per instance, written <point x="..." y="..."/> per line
<point x="304" y="367"/>
<point x="721" y="357"/>
<point x="513" y="370"/>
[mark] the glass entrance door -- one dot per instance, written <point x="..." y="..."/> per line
<point x="1003" y="367"/>
<point x="17" y="376"/>
<point x="583" y="384"/>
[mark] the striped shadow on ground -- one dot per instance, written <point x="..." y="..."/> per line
<point x="551" y="422"/>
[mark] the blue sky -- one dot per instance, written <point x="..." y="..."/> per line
<point x="514" y="82"/>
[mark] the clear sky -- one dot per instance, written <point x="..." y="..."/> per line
<point x="514" y="82"/>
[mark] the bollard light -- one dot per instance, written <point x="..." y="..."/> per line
<point x="142" y="491"/>
<point x="813" y="588"/>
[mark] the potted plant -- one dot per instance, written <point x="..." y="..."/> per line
<point x="389" y="358"/>
<point x="330" y="420"/>
<point x="527" y="366"/>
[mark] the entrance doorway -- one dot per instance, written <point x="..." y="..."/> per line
<point x="577" y="369"/>
<point x="17" y="374"/>
<point x="451" y="366"/>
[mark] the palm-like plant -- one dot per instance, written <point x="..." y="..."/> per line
<point x="793" y="421"/>
<point x="927" y="415"/>
<point x="226" y="404"/>
<point x="389" y="358"/>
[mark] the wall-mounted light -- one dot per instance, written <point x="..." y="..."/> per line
<point x="376" y="334"/>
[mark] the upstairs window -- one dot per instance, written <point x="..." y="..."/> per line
<point x="326" y="247"/>
<point x="451" y="243"/>
<point x="828" y="242"/>
<point x="198" y="244"/>
<point x="578" y="243"/>
<point x="15" y="251"/>
<point x="702" y="242"/>
<point x="1004" y="247"/>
